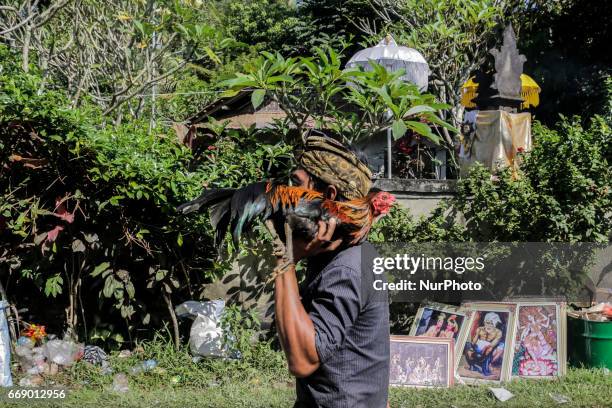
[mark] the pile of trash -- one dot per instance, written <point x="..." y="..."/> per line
<point x="38" y="355"/>
<point x="601" y="312"/>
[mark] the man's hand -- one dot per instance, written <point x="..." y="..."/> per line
<point x="320" y="244"/>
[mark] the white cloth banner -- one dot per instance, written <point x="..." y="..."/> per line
<point x="498" y="138"/>
<point x="5" y="349"/>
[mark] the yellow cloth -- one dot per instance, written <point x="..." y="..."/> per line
<point x="499" y="136"/>
<point x="530" y="92"/>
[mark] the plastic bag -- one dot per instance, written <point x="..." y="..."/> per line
<point x="206" y="335"/>
<point x="143" y="367"/>
<point x="120" y="383"/>
<point x="5" y="349"/>
<point x="63" y="352"/>
<point x="94" y="355"/>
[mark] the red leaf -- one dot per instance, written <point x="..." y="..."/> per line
<point x="53" y="234"/>
<point x="62" y="213"/>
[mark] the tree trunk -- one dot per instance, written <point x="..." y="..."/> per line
<point x="25" y="50"/>
<point x="2" y="292"/>
<point x="177" y="339"/>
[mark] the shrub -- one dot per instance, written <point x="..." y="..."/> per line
<point x="87" y="211"/>
<point x="562" y="193"/>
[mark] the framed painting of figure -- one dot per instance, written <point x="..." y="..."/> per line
<point x="486" y="351"/>
<point x="441" y="321"/>
<point x="540" y="346"/>
<point x="421" y="362"/>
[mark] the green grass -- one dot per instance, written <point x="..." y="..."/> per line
<point x="584" y="388"/>
<point x="261" y="380"/>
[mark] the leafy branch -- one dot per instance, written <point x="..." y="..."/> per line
<point x="355" y="104"/>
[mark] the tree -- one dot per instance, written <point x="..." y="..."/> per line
<point x="355" y="104"/>
<point x="111" y="52"/>
<point x="327" y="23"/>
<point x="454" y="36"/>
<point x="19" y="21"/>
<point x="261" y="23"/>
<point x="566" y="45"/>
<point x="88" y="227"/>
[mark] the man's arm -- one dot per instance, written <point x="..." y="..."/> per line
<point x="497" y="339"/>
<point x="476" y="335"/>
<point x="295" y="328"/>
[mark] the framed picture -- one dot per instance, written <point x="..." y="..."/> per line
<point x="421" y="362"/>
<point x="486" y="352"/>
<point x="438" y="320"/>
<point x="540" y="347"/>
<point x="540" y="339"/>
<point x="441" y="321"/>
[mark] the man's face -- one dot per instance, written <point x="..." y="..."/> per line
<point x="489" y="326"/>
<point x="300" y="178"/>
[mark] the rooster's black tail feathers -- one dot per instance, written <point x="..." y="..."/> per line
<point x="231" y="207"/>
<point x="218" y="201"/>
<point x="206" y="200"/>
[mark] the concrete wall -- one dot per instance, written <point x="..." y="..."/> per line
<point x="420" y="197"/>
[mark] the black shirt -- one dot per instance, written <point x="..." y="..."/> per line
<point x="351" y="323"/>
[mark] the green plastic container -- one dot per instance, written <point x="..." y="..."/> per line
<point x="589" y="343"/>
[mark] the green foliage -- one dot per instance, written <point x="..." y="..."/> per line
<point x="53" y="286"/>
<point x="262" y="23"/>
<point x="317" y="89"/>
<point x="324" y="23"/>
<point x="562" y="193"/>
<point x="241" y="334"/>
<point x="566" y="44"/>
<point x="140" y="46"/>
<point x="240" y="156"/>
<point x="90" y="209"/>
<point x="454" y="36"/>
<point x="400" y="226"/>
<point x="187" y="94"/>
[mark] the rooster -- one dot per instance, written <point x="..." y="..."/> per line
<point x="297" y="210"/>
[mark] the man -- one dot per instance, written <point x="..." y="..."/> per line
<point x="336" y="339"/>
<point x="487" y="340"/>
